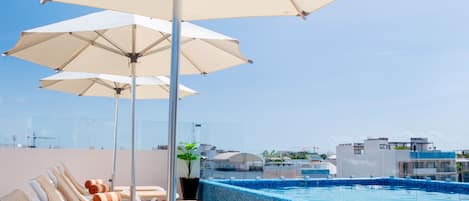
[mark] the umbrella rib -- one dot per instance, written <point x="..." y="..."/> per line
<point x="75" y="55"/>
<point x="301" y="13"/>
<point x="104" y="84"/>
<point x="164" y="87"/>
<point x="97" y="44"/>
<point x="111" y="42"/>
<point x="50" y="84"/>
<point x="193" y="63"/>
<point x="232" y="54"/>
<point x="134" y="38"/>
<point x="32" y="45"/>
<point x="190" y="60"/>
<point x="87" y="88"/>
<point x="157" y="42"/>
<point x="126" y="87"/>
<point x="165" y="48"/>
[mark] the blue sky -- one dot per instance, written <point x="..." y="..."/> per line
<point x="352" y="70"/>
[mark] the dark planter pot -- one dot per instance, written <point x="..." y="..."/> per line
<point x="189" y="188"/>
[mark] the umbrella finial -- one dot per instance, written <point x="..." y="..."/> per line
<point x="43" y="2"/>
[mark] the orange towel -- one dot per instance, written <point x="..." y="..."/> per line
<point x="112" y="196"/>
<point x="98" y="188"/>
<point x="90" y="182"/>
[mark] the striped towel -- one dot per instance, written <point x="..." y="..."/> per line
<point x="111" y="196"/>
<point x="98" y="188"/>
<point x="90" y="182"/>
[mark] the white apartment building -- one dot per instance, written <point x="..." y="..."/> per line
<point x="379" y="157"/>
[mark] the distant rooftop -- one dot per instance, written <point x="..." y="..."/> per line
<point x="237" y="157"/>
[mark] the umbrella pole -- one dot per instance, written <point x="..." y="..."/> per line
<point x="114" y="153"/>
<point x="132" y="186"/>
<point x="173" y="98"/>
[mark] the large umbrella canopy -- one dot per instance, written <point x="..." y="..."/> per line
<point x="185" y="10"/>
<point x="103" y="43"/>
<point x="104" y="85"/>
<point x="207" y="9"/>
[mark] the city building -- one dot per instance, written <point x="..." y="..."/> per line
<point x="208" y="151"/>
<point x="332" y="158"/>
<point x="298" y="164"/>
<point x="219" y="164"/>
<point x="379" y="157"/>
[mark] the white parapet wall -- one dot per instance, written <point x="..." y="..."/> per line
<point x="376" y="163"/>
<point x="18" y="166"/>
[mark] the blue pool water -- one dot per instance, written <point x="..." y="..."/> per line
<point x="363" y="193"/>
<point x="361" y="189"/>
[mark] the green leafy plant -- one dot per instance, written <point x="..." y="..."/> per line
<point x="401" y="148"/>
<point x="188" y="153"/>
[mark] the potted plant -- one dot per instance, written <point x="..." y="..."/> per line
<point x="189" y="185"/>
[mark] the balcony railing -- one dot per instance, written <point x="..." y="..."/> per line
<point x="432" y="155"/>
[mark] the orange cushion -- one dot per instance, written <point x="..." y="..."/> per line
<point x="110" y="196"/>
<point x="90" y="182"/>
<point x="98" y="188"/>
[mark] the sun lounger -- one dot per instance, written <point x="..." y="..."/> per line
<point x="64" y="192"/>
<point x="139" y="188"/>
<point x="16" y="195"/>
<point x="45" y="190"/>
<point x="80" y="187"/>
<point x="66" y="187"/>
<point x="144" y="192"/>
<point x="147" y="195"/>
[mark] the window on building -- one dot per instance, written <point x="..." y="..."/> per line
<point x="419" y="164"/>
<point x="385" y="146"/>
<point x="431" y="164"/>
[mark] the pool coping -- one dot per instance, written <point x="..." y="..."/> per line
<point x="238" y="190"/>
<point x="256" y="193"/>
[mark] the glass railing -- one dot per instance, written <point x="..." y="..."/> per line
<point x="216" y="138"/>
<point x="93" y="133"/>
<point x="433" y="155"/>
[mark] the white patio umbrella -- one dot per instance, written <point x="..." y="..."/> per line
<point x="108" y="41"/>
<point x="124" y="44"/>
<point x="104" y="85"/>
<point x="187" y="10"/>
<point x="190" y="10"/>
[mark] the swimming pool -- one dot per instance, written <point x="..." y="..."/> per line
<point x="364" y="193"/>
<point x="372" y="189"/>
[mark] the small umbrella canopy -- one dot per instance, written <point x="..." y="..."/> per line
<point x="95" y="42"/>
<point x="89" y="84"/>
<point x="104" y="85"/>
<point x="207" y="9"/>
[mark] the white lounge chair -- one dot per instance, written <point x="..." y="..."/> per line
<point x="16" y="195"/>
<point x="45" y="189"/>
<point x="143" y="192"/>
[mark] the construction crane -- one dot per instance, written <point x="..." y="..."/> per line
<point x="306" y="148"/>
<point x="34" y="138"/>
